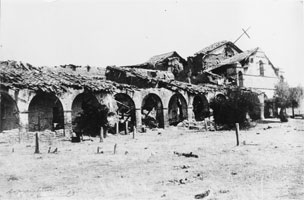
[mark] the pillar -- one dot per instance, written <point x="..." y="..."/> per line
<point x="166" y="117"/>
<point x="138" y="118"/>
<point x="262" y="107"/>
<point x="23" y="121"/>
<point x="190" y="113"/>
<point x="67" y="122"/>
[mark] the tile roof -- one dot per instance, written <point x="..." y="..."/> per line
<point x="17" y="75"/>
<point x="213" y="46"/>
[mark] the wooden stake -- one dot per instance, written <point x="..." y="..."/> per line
<point x="115" y="146"/>
<point x="126" y="128"/>
<point x="101" y="134"/>
<point x="134" y="131"/>
<point x="37" y="144"/>
<point x="237" y="129"/>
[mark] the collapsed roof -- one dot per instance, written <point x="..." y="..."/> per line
<point x="139" y="79"/>
<point x="234" y="59"/>
<point x="239" y="58"/>
<point x="159" y="60"/>
<point x="17" y="75"/>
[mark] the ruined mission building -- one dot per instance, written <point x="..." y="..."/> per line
<point x="165" y="90"/>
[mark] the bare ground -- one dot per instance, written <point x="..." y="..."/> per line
<point x="268" y="164"/>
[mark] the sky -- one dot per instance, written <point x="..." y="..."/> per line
<point x="124" y="32"/>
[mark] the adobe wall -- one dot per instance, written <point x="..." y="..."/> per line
<point x="33" y="121"/>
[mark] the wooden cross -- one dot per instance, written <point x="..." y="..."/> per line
<point x="244" y="32"/>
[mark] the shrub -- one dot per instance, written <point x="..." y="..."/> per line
<point x="235" y="108"/>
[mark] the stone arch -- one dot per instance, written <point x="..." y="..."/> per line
<point x="177" y="109"/>
<point x="152" y="111"/>
<point x="125" y="111"/>
<point x="9" y="113"/>
<point x="200" y="107"/>
<point x="45" y="112"/>
<point x="270" y="110"/>
<point x="88" y="115"/>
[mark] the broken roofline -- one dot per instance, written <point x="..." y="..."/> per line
<point x="240" y="57"/>
<point x="17" y="75"/>
<point x="172" y="85"/>
<point x="151" y="63"/>
<point x="216" y="45"/>
<point x="234" y="59"/>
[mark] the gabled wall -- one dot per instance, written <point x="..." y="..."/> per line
<point x="200" y="62"/>
<point x="253" y="77"/>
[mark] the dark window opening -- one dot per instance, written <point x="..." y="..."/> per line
<point x="261" y="68"/>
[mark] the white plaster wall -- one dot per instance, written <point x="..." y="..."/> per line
<point x="253" y="79"/>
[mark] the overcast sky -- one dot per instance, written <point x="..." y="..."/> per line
<point x="123" y="32"/>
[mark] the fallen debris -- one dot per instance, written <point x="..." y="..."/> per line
<point x="186" y="154"/>
<point x="12" y="178"/>
<point x="202" y="195"/>
<point x="75" y="139"/>
<point x="268" y="127"/>
<point x="179" y="181"/>
<point x="55" y="151"/>
<point x="224" y="191"/>
<point x="98" y="150"/>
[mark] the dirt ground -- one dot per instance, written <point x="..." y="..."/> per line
<point x="268" y="164"/>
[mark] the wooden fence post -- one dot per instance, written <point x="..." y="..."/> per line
<point x="115" y="146"/>
<point x="237" y="129"/>
<point x="126" y="128"/>
<point x="37" y="143"/>
<point x="101" y="134"/>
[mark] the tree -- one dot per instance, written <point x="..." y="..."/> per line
<point x="296" y="95"/>
<point x="287" y="97"/>
<point x="282" y="98"/>
<point x="235" y="107"/>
